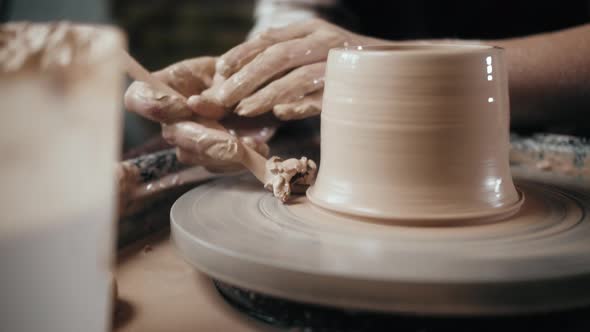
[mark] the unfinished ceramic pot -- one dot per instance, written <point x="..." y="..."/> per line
<point x="416" y="133"/>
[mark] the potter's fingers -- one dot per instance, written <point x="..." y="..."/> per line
<point x="189" y="77"/>
<point x="237" y="57"/>
<point x="308" y="106"/>
<point x="206" y="107"/>
<point x="287" y="89"/>
<point x="206" y="143"/>
<point x="158" y="106"/>
<point x="277" y="59"/>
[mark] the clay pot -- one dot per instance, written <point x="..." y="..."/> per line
<point x="416" y="132"/>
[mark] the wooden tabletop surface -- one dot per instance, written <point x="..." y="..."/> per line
<point x="158" y="291"/>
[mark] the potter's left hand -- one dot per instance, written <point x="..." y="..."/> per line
<point x="189" y="77"/>
<point x="279" y="70"/>
<point x="195" y="143"/>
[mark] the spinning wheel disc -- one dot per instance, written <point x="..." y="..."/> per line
<point x="536" y="260"/>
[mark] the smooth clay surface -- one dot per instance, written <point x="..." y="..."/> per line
<point x="416" y="132"/>
<point x="234" y="231"/>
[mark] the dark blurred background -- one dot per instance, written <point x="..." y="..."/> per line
<point x="162" y="32"/>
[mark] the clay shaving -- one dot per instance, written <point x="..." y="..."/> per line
<point x="289" y="176"/>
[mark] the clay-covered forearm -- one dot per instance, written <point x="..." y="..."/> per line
<point x="549" y="78"/>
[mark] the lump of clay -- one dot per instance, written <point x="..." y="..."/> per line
<point x="289" y="176"/>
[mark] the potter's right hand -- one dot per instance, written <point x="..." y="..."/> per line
<point x="280" y="70"/>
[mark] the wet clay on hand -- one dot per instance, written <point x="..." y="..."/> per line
<point x="188" y="77"/>
<point x="211" y="140"/>
<point x="277" y="70"/>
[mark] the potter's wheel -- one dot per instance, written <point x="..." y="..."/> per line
<point x="537" y="260"/>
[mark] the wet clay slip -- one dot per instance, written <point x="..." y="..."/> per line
<point x="416" y="132"/>
<point x="414" y="167"/>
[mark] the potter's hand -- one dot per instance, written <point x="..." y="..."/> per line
<point x="189" y="77"/>
<point x="195" y="143"/>
<point x="212" y="148"/>
<point x="279" y="70"/>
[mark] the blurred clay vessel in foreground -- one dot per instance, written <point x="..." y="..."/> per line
<point x="60" y="92"/>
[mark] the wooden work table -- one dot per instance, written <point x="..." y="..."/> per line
<point x="158" y="291"/>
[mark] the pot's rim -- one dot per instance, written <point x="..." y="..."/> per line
<point x="420" y="48"/>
